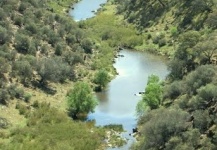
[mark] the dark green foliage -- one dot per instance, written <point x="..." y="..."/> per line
<point x="79" y="34"/>
<point x="160" y="125"/>
<point x="144" y="14"/>
<point x="73" y="58"/>
<point x="184" y="58"/>
<point x="23" y="69"/>
<point x="22" y="43"/>
<point x="3" y="15"/>
<point x="202" y="120"/>
<point x="59" y="49"/>
<point x="173" y="90"/>
<point x="206" y="97"/>
<point x="87" y="45"/>
<point x="5" y="36"/>
<point x="4" y="96"/>
<point x="3" y="123"/>
<point x="23" y="6"/>
<point x="80" y="100"/>
<point x="4" y="67"/>
<point x="31" y="27"/>
<point x="212" y="20"/>
<point x="206" y="49"/>
<point x="200" y="77"/>
<point x="53" y="38"/>
<point x="70" y="39"/>
<point x="18" y="20"/>
<point x="54" y="70"/>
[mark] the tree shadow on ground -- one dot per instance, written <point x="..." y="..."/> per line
<point x="44" y="87"/>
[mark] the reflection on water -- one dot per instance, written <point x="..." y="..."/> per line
<point x="117" y="103"/>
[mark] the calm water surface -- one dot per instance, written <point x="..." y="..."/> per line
<point x="84" y="9"/>
<point x="117" y="103"/>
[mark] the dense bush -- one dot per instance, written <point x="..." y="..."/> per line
<point x="54" y="70"/>
<point x="101" y="78"/>
<point x="80" y="100"/>
<point x="160" y="125"/>
<point x="22" y="43"/>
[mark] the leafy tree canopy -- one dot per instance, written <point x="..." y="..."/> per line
<point x="80" y="100"/>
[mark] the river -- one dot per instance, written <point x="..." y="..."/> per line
<point x="117" y="103"/>
<point x="85" y="9"/>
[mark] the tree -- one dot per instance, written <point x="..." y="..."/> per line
<point x="160" y="125"/>
<point x="212" y="20"/>
<point x="101" y="78"/>
<point x="22" y="43"/>
<point x="4" y="67"/>
<point x="200" y="77"/>
<point x="184" y="58"/>
<point x="152" y="97"/>
<point x="207" y="49"/>
<point x="153" y="92"/>
<point x="23" y="69"/>
<point x="4" y="36"/>
<point x="53" y="69"/>
<point x="87" y="45"/>
<point x="80" y="100"/>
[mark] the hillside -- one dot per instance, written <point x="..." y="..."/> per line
<point x="42" y="53"/>
<point x="46" y="59"/>
<point x="182" y="114"/>
<point x="162" y="21"/>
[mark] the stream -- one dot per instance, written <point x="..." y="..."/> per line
<point x="117" y="103"/>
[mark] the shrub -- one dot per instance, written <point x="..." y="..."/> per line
<point x="160" y="125"/>
<point x="4" y="96"/>
<point x="202" y="120"/>
<point x="101" y="78"/>
<point x="4" y="36"/>
<point x="162" y="42"/>
<point x="22" y="43"/>
<point x="80" y="100"/>
<point x="27" y="97"/>
<point x="31" y="27"/>
<point x="173" y="31"/>
<point x="87" y="45"/>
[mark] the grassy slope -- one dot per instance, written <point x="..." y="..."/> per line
<point x="106" y="53"/>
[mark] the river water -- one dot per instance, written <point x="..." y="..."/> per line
<point x="117" y="103"/>
<point x="85" y="9"/>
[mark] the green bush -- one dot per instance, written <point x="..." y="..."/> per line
<point x="101" y="78"/>
<point x="160" y="125"/>
<point x="80" y="100"/>
<point x="22" y="43"/>
<point x="27" y="97"/>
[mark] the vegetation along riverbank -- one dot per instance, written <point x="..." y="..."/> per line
<point x="179" y="113"/>
<point x="45" y="57"/>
